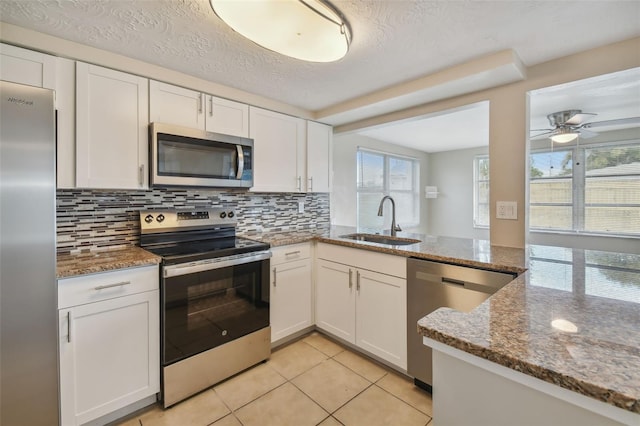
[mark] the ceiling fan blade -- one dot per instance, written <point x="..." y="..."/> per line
<point x="542" y="130"/>
<point x="586" y="134"/>
<point x="580" y="118"/>
<point x="540" y="135"/>
<point x="618" y="122"/>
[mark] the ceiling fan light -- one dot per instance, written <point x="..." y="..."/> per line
<point x="564" y="137"/>
<point x="310" y="30"/>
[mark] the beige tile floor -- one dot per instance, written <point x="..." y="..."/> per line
<point x="313" y="381"/>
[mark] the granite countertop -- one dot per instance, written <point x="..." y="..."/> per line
<point x="69" y="265"/>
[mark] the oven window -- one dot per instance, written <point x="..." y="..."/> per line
<point x="189" y="159"/>
<point x="207" y="309"/>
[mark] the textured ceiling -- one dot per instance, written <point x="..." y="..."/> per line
<point x="393" y="41"/>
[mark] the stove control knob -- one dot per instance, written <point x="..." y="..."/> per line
<point x="160" y="218"/>
<point x="148" y="218"/>
<point x="223" y="215"/>
<point x="231" y="214"/>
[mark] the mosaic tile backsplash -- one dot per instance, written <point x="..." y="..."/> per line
<point x="98" y="219"/>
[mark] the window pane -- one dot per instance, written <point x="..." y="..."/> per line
<point x="483" y="168"/>
<point x="620" y="220"/>
<point x="551" y="191"/>
<point x="550" y="164"/>
<point x="551" y="217"/>
<point x="370" y="170"/>
<point x="406" y="209"/>
<point x="400" y="174"/>
<point x="368" y="210"/>
<point x="619" y="160"/>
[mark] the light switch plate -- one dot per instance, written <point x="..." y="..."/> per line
<point x="300" y="206"/>
<point x="507" y="210"/>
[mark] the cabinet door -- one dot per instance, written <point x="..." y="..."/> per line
<point x="318" y="157"/>
<point x="290" y="308"/>
<point x="175" y="105"/>
<point x="278" y="151"/>
<point x="228" y="117"/>
<point x="24" y="66"/>
<point x="112" y="119"/>
<point x="109" y="355"/>
<point x="335" y="299"/>
<point x="381" y="316"/>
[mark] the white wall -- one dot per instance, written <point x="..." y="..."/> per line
<point x="451" y="213"/>
<point x="343" y="196"/>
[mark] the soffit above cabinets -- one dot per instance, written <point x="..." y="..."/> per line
<point x="403" y="53"/>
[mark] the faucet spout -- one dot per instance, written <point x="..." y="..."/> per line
<point x="394" y="227"/>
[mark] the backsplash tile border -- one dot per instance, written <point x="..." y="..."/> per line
<point x="89" y="219"/>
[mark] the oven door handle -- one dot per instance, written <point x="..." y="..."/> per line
<point x="210" y="264"/>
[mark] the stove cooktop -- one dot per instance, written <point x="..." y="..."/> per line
<point x="184" y="252"/>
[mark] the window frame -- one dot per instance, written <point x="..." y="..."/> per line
<point x="386" y="190"/>
<point x="578" y="184"/>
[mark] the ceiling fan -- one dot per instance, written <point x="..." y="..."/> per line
<point x="567" y="125"/>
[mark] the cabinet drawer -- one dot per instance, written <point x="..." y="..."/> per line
<point x="107" y="285"/>
<point x="290" y="253"/>
<point x="366" y="259"/>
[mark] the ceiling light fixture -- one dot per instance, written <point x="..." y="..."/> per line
<point x="310" y="30"/>
<point x="564" y="135"/>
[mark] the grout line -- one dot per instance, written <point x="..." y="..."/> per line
<point x="403" y="401"/>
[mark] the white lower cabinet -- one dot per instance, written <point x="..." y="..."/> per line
<point x="290" y="293"/>
<point x="360" y="305"/>
<point x="109" y="342"/>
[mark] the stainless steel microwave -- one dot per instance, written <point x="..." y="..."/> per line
<point x="180" y="156"/>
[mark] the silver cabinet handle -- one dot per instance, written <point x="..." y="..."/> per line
<point x="68" y="326"/>
<point x="141" y="174"/>
<point x="291" y="253"/>
<point x="200" y="103"/>
<point x="210" y="106"/>
<point x="357" y="280"/>
<point x="120" y="284"/>
<point x="274" y="276"/>
<point x="299" y="183"/>
<point x="350" y="279"/>
<point x="311" y="183"/>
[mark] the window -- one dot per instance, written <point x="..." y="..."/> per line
<point x="587" y="189"/>
<point x="481" y="191"/>
<point x="382" y="174"/>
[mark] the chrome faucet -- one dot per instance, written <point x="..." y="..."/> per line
<point x="394" y="228"/>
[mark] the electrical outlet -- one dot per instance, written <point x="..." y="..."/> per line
<point x="507" y="210"/>
<point x="300" y="206"/>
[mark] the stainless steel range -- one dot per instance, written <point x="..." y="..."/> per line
<point x="214" y="290"/>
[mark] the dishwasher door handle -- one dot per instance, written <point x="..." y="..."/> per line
<point x="446" y="280"/>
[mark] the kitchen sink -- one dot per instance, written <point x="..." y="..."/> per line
<point x="381" y="239"/>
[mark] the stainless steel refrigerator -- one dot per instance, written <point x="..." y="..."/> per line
<point x="28" y="289"/>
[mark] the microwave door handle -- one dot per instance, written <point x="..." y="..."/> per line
<point x="240" y="162"/>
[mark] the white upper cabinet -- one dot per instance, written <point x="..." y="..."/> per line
<point x="190" y="108"/>
<point x="175" y="105"/>
<point x="319" y="138"/>
<point x="112" y="119"/>
<point x="279" y="151"/>
<point x="228" y="117"/>
<point x="24" y="66"/>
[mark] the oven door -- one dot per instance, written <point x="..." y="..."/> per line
<point x="209" y="303"/>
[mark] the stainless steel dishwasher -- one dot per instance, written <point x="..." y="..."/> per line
<point x="433" y="285"/>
